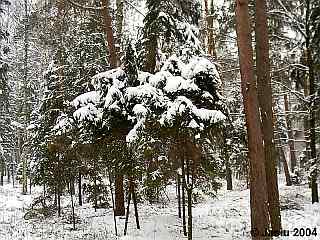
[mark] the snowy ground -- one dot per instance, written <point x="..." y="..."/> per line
<point x="226" y="217"/>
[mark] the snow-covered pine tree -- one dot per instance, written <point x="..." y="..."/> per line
<point x="182" y="100"/>
<point x="78" y="54"/>
<point x="164" y="32"/>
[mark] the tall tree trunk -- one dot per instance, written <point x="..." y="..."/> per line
<point x="179" y="194"/>
<point x="184" y="224"/>
<point x="95" y="193"/>
<point x="265" y="103"/>
<point x="189" y="193"/>
<point x="55" y="201"/>
<point x="113" y="205"/>
<point x="2" y="172"/>
<point x="127" y="214"/>
<point x="44" y="193"/>
<point x="119" y="196"/>
<point x="30" y="184"/>
<point x="135" y="203"/>
<point x="258" y="186"/>
<point x="210" y="36"/>
<point x="189" y="190"/>
<point x="25" y="101"/>
<point x="228" y="169"/>
<point x="285" y="167"/>
<point x="312" y="117"/>
<point x="72" y="205"/>
<point x="109" y="34"/>
<point x="119" y="23"/>
<point x="229" y="177"/>
<point x="293" y="160"/>
<point x="150" y="62"/>
<point x="80" y="188"/>
<point x="8" y="173"/>
<point x="59" y="200"/>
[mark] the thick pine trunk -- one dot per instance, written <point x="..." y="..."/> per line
<point x="109" y="34"/>
<point x="150" y="62"/>
<point x="119" y="196"/>
<point x="312" y="116"/>
<point x="265" y="103"/>
<point x="258" y="186"/>
<point x="293" y="160"/>
<point x="119" y="24"/>
<point x="312" y="125"/>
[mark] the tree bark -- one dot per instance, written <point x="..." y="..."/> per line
<point x="293" y="160"/>
<point x="44" y="193"/>
<point x="80" y="188"/>
<point x="150" y="63"/>
<point x="184" y="224"/>
<point x="55" y="196"/>
<point x="187" y="157"/>
<point x="211" y="41"/>
<point x="2" y="172"/>
<point x="127" y="214"/>
<point x="312" y="117"/>
<point x="109" y="34"/>
<point x="265" y="103"/>
<point x="119" y="23"/>
<point x="59" y="201"/>
<point x="8" y="174"/>
<point x="113" y="205"/>
<point x="228" y="174"/>
<point x="285" y="167"/>
<point x="179" y="194"/>
<point x="95" y="193"/>
<point x="30" y="184"/>
<point x="72" y="205"/>
<point x="135" y="203"/>
<point x="119" y="196"/>
<point x="189" y="193"/>
<point x="258" y="186"/>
